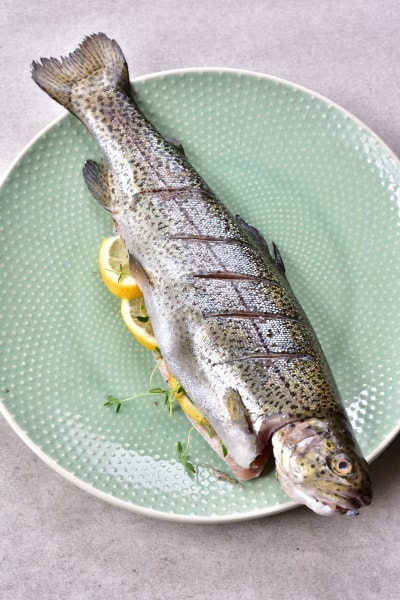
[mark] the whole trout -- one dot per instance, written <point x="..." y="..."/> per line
<point x="224" y="316"/>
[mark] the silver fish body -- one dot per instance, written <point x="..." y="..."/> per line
<point x="225" y="318"/>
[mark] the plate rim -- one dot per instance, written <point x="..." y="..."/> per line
<point x="142" y="510"/>
<point x="90" y="489"/>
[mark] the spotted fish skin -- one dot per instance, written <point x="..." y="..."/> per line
<point x="225" y="318"/>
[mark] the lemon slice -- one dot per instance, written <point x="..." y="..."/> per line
<point x="186" y="404"/>
<point x="114" y="269"/>
<point x="183" y="400"/>
<point x="136" y="319"/>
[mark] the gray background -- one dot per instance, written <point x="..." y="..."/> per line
<point x="56" y="541"/>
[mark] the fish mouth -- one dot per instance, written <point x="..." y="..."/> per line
<point x="347" y="501"/>
<point x="353" y="502"/>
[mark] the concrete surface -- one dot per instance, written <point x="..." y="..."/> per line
<point x="55" y="540"/>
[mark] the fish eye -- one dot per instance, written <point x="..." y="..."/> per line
<point x="342" y="465"/>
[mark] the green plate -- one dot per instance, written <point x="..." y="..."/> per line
<point x="307" y="174"/>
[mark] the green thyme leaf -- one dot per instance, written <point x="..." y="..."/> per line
<point x="209" y="431"/>
<point x="189" y="466"/>
<point x="183" y="454"/>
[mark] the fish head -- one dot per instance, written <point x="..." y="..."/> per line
<point x="321" y="468"/>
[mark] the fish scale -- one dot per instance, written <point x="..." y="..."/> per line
<point x="225" y="318"/>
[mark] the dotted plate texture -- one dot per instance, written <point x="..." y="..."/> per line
<point x="309" y="175"/>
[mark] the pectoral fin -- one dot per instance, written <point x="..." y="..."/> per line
<point x="237" y="410"/>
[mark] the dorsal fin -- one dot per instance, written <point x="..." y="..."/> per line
<point x="259" y="240"/>
<point x="253" y="234"/>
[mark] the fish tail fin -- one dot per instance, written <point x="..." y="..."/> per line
<point x="97" y="62"/>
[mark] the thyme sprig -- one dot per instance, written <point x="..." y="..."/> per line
<point x="169" y="400"/>
<point x="169" y="395"/>
<point x="122" y="273"/>
<point x="118" y="402"/>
